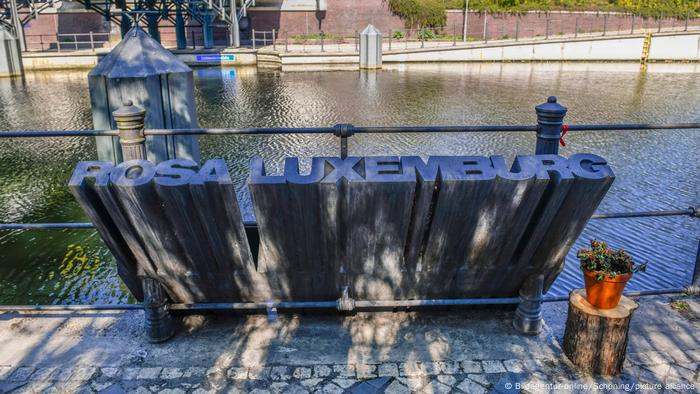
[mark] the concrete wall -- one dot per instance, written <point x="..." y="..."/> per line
<point x="676" y="46"/>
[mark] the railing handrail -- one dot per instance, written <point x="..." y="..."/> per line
<point x="351" y="128"/>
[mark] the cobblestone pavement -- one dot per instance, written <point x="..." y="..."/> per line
<point x="380" y="357"/>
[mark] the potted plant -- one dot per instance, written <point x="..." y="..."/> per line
<point x="605" y="273"/>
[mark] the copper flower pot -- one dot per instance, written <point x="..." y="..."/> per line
<point x="606" y="293"/>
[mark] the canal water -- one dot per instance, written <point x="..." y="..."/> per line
<point x="655" y="170"/>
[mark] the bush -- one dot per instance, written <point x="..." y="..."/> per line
<point x="398" y="35"/>
<point x="426" y="34"/>
<point x="419" y="13"/>
<point x="607" y="263"/>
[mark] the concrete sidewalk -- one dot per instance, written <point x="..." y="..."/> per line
<point x="471" y="351"/>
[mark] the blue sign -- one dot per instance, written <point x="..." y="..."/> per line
<point x="216" y="58"/>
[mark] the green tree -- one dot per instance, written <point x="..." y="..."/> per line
<point x="420" y="13"/>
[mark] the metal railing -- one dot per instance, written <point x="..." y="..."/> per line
<point x="546" y="126"/>
<point x="67" y="42"/>
<point x="485" y="28"/>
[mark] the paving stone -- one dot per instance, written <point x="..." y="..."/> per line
<point x="45" y="373"/>
<point x="194" y="372"/>
<point x="344" y="370"/>
<point x="5" y="372"/>
<point x="280" y="372"/>
<point x="99" y="386"/>
<point x="331" y="388"/>
<point x="388" y="369"/>
<point x="258" y="372"/>
<point x="449" y="367"/>
<point x="411" y="368"/>
<point x="302" y="373"/>
<point x="172" y="391"/>
<point x="140" y="390"/>
<point x="471" y="367"/>
<point x="344" y="383"/>
<point x="396" y="387"/>
<point x="479" y="378"/>
<point x="63" y="374"/>
<point x="514" y="365"/>
<point x="113" y="389"/>
<point x="310" y="383"/>
<point x="414" y="383"/>
<point x="366" y="371"/>
<point x="435" y="387"/>
<point x="493" y="366"/>
<point x="130" y="373"/>
<point x="431" y="367"/>
<point x="171" y="373"/>
<point x="295" y="389"/>
<point x="508" y="383"/>
<point x="471" y="387"/>
<point x="148" y="373"/>
<point x="321" y="371"/>
<point x="279" y="387"/>
<point x="447" y="379"/>
<point x="109" y="372"/>
<point x="21" y="374"/>
<point x="259" y="391"/>
<point x="85" y="373"/>
<point x="237" y="373"/>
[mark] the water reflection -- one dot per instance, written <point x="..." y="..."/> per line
<point x="655" y="170"/>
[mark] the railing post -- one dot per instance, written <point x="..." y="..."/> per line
<point x="528" y="316"/>
<point x="576" y="30"/>
<point x="344" y="131"/>
<point x="92" y="41"/>
<point x="159" y="323"/>
<point x="253" y="35"/>
<point x="194" y="45"/>
<point x="356" y="39"/>
<point x="659" y="29"/>
<point x="632" y="29"/>
<point x="286" y="41"/>
<point x="390" y="34"/>
<point x="322" y="35"/>
<point x="130" y="121"/>
<point x="58" y="43"/>
<point x="687" y="16"/>
<point x="274" y="46"/>
<point x="75" y="41"/>
<point x="550" y="119"/>
<point x="517" y="30"/>
<point x="546" y="32"/>
<point x="605" y="24"/>
<point x="485" y="28"/>
<point x="454" y="35"/>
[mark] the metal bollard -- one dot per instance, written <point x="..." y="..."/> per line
<point x="130" y="121"/>
<point x="550" y="119"/>
<point x="528" y="316"/>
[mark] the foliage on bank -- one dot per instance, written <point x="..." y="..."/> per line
<point x="643" y="7"/>
<point x="420" y="13"/>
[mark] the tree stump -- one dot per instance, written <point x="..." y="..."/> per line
<point x="595" y="339"/>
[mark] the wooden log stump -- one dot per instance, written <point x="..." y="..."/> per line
<point x="595" y="339"/>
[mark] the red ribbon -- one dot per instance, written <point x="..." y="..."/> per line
<point x="564" y="130"/>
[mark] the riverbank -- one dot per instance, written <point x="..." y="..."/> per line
<point x="469" y="351"/>
<point x="670" y="46"/>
